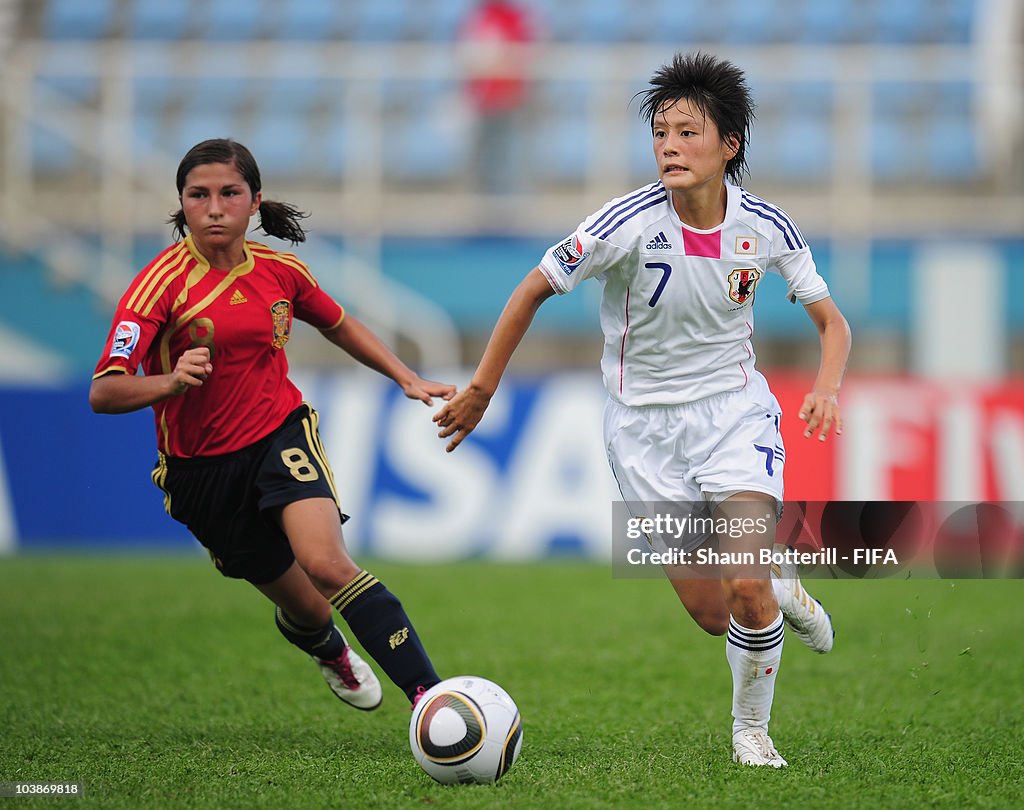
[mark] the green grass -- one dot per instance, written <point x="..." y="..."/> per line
<point x="157" y="683"/>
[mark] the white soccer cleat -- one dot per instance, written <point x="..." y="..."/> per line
<point x="802" y="612"/>
<point x="352" y="680"/>
<point x="753" y="746"/>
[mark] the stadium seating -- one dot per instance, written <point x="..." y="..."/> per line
<point x="560" y="144"/>
<point x="680" y="21"/>
<point x="676" y="24"/>
<point x="917" y="133"/>
<point x="158" y="19"/>
<point x="309" y="20"/>
<point x="79" y="19"/>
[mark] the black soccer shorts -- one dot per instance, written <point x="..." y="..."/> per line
<point x="229" y="502"/>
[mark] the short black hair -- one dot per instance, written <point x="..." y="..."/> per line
<point x="716" y="87"/>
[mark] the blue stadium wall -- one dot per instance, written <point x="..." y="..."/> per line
<point x="531" y="481"/>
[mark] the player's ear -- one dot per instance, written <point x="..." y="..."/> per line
<point x="256" y="200"/>
<point x="731" y="145"/>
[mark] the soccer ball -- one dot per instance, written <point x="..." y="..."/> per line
<point x="466" y="729"/>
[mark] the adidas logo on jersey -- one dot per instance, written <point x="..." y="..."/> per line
<point x="238" y="298"/>
<point x="659" y="242"/>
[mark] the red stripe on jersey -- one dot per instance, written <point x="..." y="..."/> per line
<point x="708" y="245"/>
<point x="746" y="378"/>
<point x="622" y="349"/>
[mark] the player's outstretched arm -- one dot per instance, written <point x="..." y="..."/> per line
<point x="820" y="409"/>
<point x="463" y="413"/>
<point x="122" y="393"/>
<point x="356" y="339"/>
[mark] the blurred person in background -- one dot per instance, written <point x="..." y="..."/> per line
<point x="689" y="419"/>
<point x="491" y="41"/>
<point x="241" y="462"/>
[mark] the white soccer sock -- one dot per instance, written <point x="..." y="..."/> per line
<point x="754" y="657"/>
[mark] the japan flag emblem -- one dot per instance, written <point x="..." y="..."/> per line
<point x="746" y="245"/>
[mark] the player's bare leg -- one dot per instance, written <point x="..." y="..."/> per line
<point x="756" y="633"/>
<point x="304" y="617"/>
<point x="297" y="597"/>
<point x="373" y="613"/>
<point x="699" y="588"/>
<point x="313" y="527"/>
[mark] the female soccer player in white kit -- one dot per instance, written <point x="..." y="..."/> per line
<point x="689" y="418"/>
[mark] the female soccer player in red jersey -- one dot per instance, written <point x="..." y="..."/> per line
<point x="240" y="458"/>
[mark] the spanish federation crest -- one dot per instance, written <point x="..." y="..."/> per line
<point x="742" y="282"/>
<point x="281" y="312"/>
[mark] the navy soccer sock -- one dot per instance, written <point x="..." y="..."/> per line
<point x="379" y="621"/>
<point x="325" y="642"/>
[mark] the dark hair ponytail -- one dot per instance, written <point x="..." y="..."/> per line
<point x="282" y="220"/>
<point x="177" y="219"/>
<point x="276" y="218"/>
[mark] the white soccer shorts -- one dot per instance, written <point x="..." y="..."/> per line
<point x="702" y="451"/>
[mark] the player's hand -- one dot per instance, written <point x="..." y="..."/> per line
<point x="821" y="412"/>
<point x="423" y="390"/>
<point x="191" y="370"/>
<point x="461" y="415"/>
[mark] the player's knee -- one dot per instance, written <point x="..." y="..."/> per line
<point x="748" y="590"/>
<point x="750" y="600"/>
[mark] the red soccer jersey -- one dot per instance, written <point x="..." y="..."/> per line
<point x="244" y="316"/>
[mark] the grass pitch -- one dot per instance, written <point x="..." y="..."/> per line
<point x="157" y="683"/>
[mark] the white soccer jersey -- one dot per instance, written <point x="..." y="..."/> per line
<point x="677" y="310"/>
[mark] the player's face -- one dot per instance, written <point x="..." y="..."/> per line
<point x="218" y="205"/>
<point x="689" y="149"/>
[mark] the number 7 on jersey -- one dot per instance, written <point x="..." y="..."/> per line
<point x="666" y="271"/>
